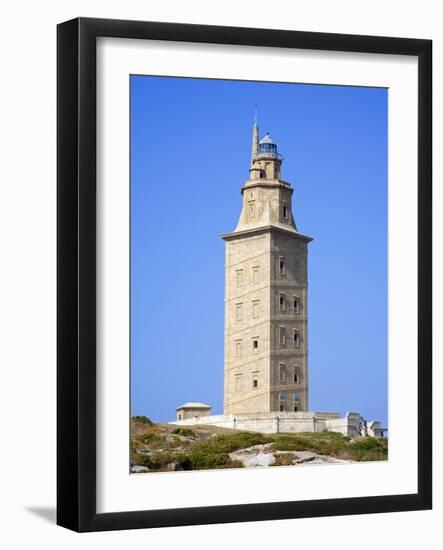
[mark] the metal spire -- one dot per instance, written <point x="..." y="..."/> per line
<point x="254" y="137"/>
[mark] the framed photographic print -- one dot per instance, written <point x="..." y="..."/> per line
<point x="244" y="274"/>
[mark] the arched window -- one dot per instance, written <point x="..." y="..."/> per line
<point x="282" y="372"/>
<point x="297" y="375"/>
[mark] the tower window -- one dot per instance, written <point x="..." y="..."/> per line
<point x="255" y="309"/>
<point x="296" y="378"/>
<point x="296" y="397"/>
<point x="282" y="266"/>
<point x="296" y="339"/>
<point x="255" y="345"/>
<point x="238" y="382"/>
<point x="254" y="382"/>
<point x="282" y="407"/>
<point x="281" y="396"/>
<point x="238" y="348"/>
<point x="282" y="371"/>
<point x="251" y="209"/>
<point x="255" y="275"/>
<point x="282" y="302"/>
<point x="285" y="212"/>
<point x="296" y="305"/>
<point x="282" y="335"/>
<point x="239" y="312"/>
<point x="239" y="277"/>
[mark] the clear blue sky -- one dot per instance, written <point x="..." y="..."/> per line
<point x="190" y="152"/>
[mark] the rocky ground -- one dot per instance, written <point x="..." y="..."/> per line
<point x="264" y="455"/>
<point x="165" y="447"/>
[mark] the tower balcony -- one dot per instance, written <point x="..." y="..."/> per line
<point x="265" y="155"/>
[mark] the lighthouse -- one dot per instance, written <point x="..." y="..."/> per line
<point x="266" y="294"/>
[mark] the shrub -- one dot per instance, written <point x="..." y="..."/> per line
<point x="174" y="442"/>
<point x="133" y="450"/>
<point x="369" y="443"/>
<point x="185" y="432"/>
<point x="146" y="438"/>
<point x="321" y="443"/>
<point x="242" y="440"/>
<point x="289" y="444"/>
<point x="143" y="420"/>
<point x="231" y="442"/>
<point x="152" y="440"/>
<point x="201" y="460"/>
<point x="207" y="461"/>
<point x="154" y="462"/>
<point x="183" y="462"/>
<point x="367" y="449"/>
<point x="324" y="435"/>
<point x="139" y="459"/>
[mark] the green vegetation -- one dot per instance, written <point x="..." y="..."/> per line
<point x="161" y="447"/>
<point x="155" y="462"/>
<point x="202" y="460"/>
<point x="326" y="443"/>
<point x="368" y="448"/>
<point x="213" y="452"/>
<point x="221" y="444"/>
<point x="335" y="445"/>
<point x="143" y="420"/>
<point x="185" y="432"/>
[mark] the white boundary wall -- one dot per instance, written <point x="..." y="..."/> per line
<point x="287" y="422"/>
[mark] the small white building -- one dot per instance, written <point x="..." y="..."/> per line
<point x="193" y="410"/>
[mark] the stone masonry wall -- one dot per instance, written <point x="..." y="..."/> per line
<point x="247" y="313"/>
<point x="282" y="422"/>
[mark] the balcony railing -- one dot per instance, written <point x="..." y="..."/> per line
<point x="269" y="155"/>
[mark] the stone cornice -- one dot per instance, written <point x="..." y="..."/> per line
<point x="249" y="184"/>
<point x="290" y="232"/>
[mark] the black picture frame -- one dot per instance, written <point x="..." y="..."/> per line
<point x="76" y="273"/>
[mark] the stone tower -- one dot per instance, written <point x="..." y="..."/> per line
<point x="266" y="309"/>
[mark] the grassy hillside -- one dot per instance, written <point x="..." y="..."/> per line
<point x="164" y="447"/>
